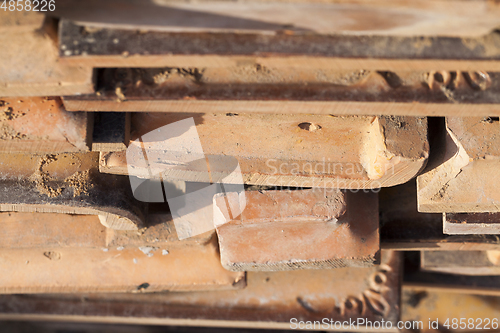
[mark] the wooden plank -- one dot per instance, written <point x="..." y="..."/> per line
<point x="253" y="88"/>
<point x="143" y="269"/>
<point x="403" y="228"/>
<point x="127" y="48"/>
<point x="42" y="125"/>
<point x="381" y="17"/>
<point x="282" y="150"/>
<point x="270" y="298"/>
<point x="111" y="131"/>
<point x="29" y="65"/>
<point x="473" y="223"/>
<point x="466" y="262"/>
<point x="68" y="183"/>
<point x="287" y="230"/>
<point x="464" y="176"/>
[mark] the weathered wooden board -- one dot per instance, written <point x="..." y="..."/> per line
<point x="111" y="131"/>
<point x="403" y="228"/>
<point x="253" y="88"/>
<point x="472" y="223"/>
<point x="465" y="176"/>
<point x="281" y="150"/>
<point x="464" y="262"/>
<point x="287" y="230"/>
<point x="83" y="45"/>
<point x="42" y="125"/>
<point x="29" y="62"/>
<point x="270" y="299"/>
<point x="68" y="183"/>
<point x="381" y="17"/>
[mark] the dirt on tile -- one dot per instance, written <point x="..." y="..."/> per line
<point x="79" y="181"/>
<point x="7" y="113"/>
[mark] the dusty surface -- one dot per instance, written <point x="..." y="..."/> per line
<point x="402" y="139"/>
<point x="41" y="124"/>
<point x="42" y="179"/>
<point x="284" y="48"/>
<point x="45" y="183"/>
<point x="68" y="183"/>
<point x="56" y="166"/>
<point x="80" y="182"/>
<point x="153" y="81"/>
<point x="254" y="81"/>
<point x="295" y="89"/>
<point x="7" y="113"/>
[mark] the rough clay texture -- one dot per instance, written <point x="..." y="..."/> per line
<point x="286" y="150"/>
<point x="68" y="183"/>
<point x="42" y="125"/>
<point x="79" y="181"/>
<point x="465" y="178"/>
<point x="283" y="230"/>
<point x="259" y="89"/>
